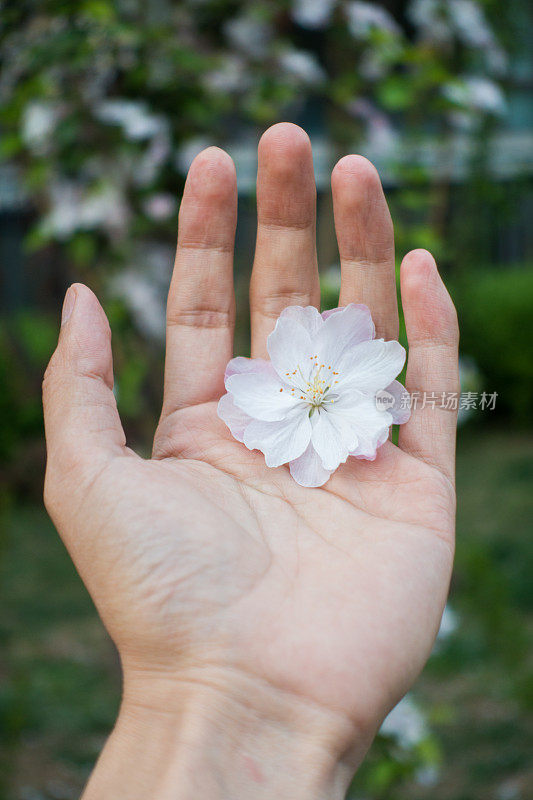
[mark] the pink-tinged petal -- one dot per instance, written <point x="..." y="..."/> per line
<point x="307" y="316"/>
<point x="261" y="395"/>
<point x="369" y="423"/>
<point x="289" y="346"/>
<point x="234" y="417"/>
<point x="342" y="331"/>
<point x="368" y="450"/>
<point x="239" y="365"/>
<point x="400" y="407"/>
<point x="281" y="441"/>
<point x="370" y="366"/>
<point x="330" y="311"/>
<point x="307" y="470"/>
<point x="333" y="437"/>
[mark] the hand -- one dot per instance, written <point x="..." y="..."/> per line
<point x="264" y="629"/>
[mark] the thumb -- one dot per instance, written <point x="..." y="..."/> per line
<point x="82" y="425"/>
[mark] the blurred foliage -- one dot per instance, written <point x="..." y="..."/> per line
<point x="105" y="102"/>
<point x="495" y="307"/>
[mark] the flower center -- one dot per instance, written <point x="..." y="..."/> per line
<point x="316" y="388"/>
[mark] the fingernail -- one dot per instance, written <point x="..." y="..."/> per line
<point x="68" y="305"/>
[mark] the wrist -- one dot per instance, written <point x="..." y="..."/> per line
<point x="222" y="736"/>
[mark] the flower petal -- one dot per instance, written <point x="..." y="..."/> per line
<point x="307" y="316"/>
<point x="261" y="394"/>
<point x="240" y="364"/>
<point x="343" y="329"/>
<point x="401" y="405"/>
<point x="330" y="311"/>
<point x="281" y="441"/>
<point x="371" y="366"/>
<point x="333" y="437"/>
<point x="368" y="450"/>
<point x="289" y="346"/>
<point x="369" y="423"/>
<point x="234" y="417"/>
<point x="307" y="470"/>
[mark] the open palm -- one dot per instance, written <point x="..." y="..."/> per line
<point x="210" y="568"/>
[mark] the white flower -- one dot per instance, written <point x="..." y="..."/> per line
<point x="477" y="94"/>
<point x="448" y="623"/>
<point x="303" y="66"/>
<point x="143" y="287"/>
<point x="364" y="17"/>
<point x="135" y="119"/>
<point x="38" y="124"/>
<point x="328" y="392"/>
<point x="160" y="206"/>
<point x="149" y="165"/>
<point x="471" y="23"/>
<point x="429" y="17"/>
<point x="406" y="723"/>
<point x="231" y="75"/>
<point x="313" y="14"/>
<point x="380" y="133"/>
<point x="75" y="208"/>
<point x="188" y="151"/>
<point x="249" y="35"/>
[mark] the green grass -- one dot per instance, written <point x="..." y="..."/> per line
<point x="60" y="678"/>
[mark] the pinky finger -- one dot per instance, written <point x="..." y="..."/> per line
<point x="432" y="367"/>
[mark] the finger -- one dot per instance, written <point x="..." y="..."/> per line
<point x="82" y="425"/>
<point x="201" y="305"/>
<point x="285" y="267"/>
<point x="366" y="242"/>
<point x="432" y="366"/>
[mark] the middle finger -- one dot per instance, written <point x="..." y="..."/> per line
<point x="285" y="268"/>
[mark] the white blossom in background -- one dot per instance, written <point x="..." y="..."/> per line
<point x="105" y="208"/>
<point x="230" y="76"/>
<point x="448" y="623"/>
<point x="303" y="66"/>
<point x="476" y="94"/>
<point x="249" y="35"/>
<point x="463" y="121"/>
<point x="406" y="723"/>
<point x="372" y="65"/>
<point x="142" y="299"/>
<point x="496" y="60"/>
<point x="160" y="207"/>
<point x="139" y="125"/>
<point x="429" y="17"/>
<point x="137" y="122"/>
<point x="380" y="134"/>
<point x="473" y="28"/>
<point x="64" y="217"/>
<point x="470" y="22"/>
<point x="365" y="17"/>
<point x="75" y="208"/>
<point x="151" y="161"/>
<point x="511" y="789"/>
<point x="188" y="152"/>
<point x="143" y="287"/>
<point x="39" y="120"/>
<point x="439" y="21"/>
<point x="427" y="775"/>
<point x="312" y="14"/>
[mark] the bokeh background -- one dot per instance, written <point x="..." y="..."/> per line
<point x="103" y="105"/>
